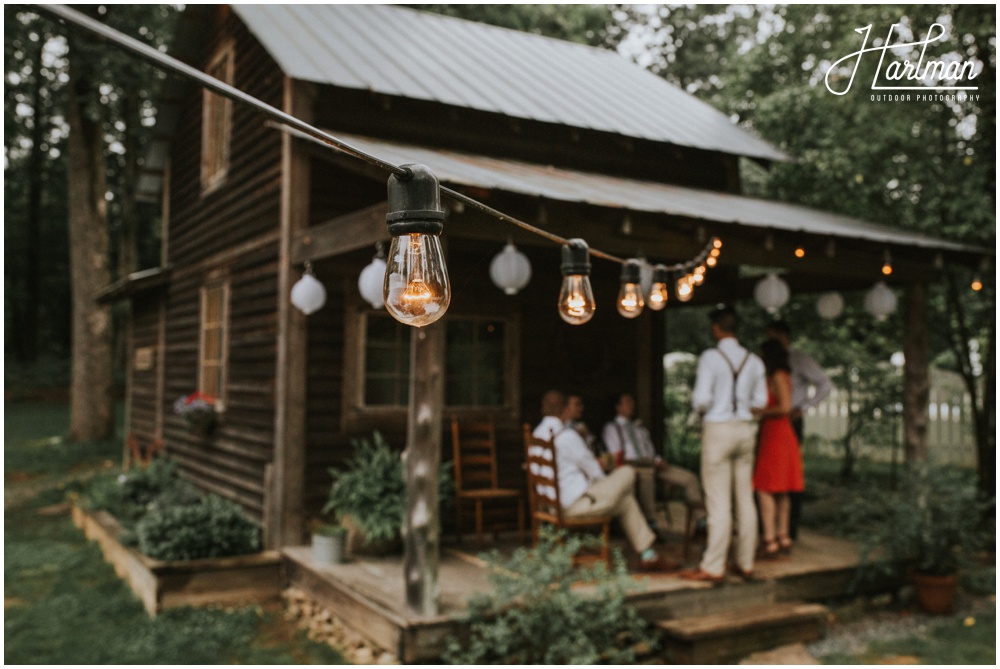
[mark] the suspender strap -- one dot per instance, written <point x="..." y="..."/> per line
<point x="735" y="370"/>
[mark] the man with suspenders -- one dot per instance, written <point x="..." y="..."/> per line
<point x="730" y="382"/>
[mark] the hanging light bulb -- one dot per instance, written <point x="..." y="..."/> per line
<point x="698" y="277"/>
<point x="711" y="261"/>
<point x="886" y="263"/>
<point x="771" y="292"/>
<point x="880" y="301"/>
<point x="685" y="291"/>
<point x="371" y="279"/>
<point x="716" y="243"/>
<point x="630" y="302"/>
<point x="977" y="283"/>
<point x="308" y="294"/>
<point x="646" y="277"/>
<point x="576" y="299"/>
<point x="510" y="270"/>
<point x="800" y="252"/>
<point x="977" y="278"/>
<point x="416" y="288"/>
<point x="658" y="291"/>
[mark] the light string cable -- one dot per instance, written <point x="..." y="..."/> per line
<point x="300" y="128"/>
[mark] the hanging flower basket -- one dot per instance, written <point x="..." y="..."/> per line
<point x="198" y="410"/>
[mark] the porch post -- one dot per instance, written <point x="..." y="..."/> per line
<point x="422" y="459"/>
<point x="916" y="374"/>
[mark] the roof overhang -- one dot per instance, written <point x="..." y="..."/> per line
<point x="133" y="284"/>
<point x="711" y="207"/>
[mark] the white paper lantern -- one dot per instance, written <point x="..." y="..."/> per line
<point x="308" y="294"/>
<point x="771" y="292"/>
<point x="370" y="282"/>
<point x="880" y="301"/>
<point x="830" y="305"/>
<point x="510" y="270"/>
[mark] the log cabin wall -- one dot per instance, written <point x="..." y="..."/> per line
<point x="229" y="233"/>
<point x="144" y="366"/>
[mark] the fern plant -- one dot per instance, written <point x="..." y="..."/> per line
<point x="533" y="614"/>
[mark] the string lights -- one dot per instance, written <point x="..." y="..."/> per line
<point x="416" y="290"/>
<point x="630" y="302"/>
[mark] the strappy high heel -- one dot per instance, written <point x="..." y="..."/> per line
<point x="785" y="542"/>
<point x="770" y="550"/>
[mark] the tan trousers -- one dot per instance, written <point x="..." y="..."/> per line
<point x="645" y="486"/>
<point x="727" y="458"/>
<point x="615" y="496"/>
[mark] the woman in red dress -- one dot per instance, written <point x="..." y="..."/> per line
<point x="779" y="462"/>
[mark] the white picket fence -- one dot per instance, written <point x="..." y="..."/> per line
<point x="950" y="435"/>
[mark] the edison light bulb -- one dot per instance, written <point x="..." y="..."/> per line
<point x="576" y="299"/>
<point x="416" y="287"/>
<point x="630" y="302"/>
<point x="416" y="281"/>
<point x="711" y="261"/>
<point x="684" y="290"/>
<point x="658" y="292"/>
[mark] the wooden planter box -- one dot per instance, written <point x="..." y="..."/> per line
<point x="244" y="579"/>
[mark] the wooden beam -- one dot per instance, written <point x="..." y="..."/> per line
<point x="916" y="373"/>
<point x="284" y="498"/>
<point x="422" y="531"/>
<point x="349" y="232"/>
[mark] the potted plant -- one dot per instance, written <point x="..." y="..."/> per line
<point x="368" y="496"/>
<point x="198" y="410"/>
<point x="328" y="543"/>
<point x="928" y="530"/>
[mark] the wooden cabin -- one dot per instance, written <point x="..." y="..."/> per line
<point x="573" y="139"/>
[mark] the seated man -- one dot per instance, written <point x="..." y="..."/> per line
<point x="584" y="488"/>
<point x="628" y="441"/>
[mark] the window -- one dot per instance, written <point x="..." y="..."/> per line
<point x="216" y="126"/>
<point x="475" y="362"/>
<point x="387" y="362"/>
<point x="213" y="348"/>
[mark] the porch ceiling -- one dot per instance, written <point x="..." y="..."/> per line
<point x="546" y="181"/>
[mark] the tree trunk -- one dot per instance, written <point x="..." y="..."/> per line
<point x="986" y="420"/>
<point x="916" y="373"/>
<point x="91" y="404"/>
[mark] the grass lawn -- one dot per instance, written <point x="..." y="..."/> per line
<point x="64" y="605"/>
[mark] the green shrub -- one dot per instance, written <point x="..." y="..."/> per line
<point x="533" y="615"/>
<point x="371" y="489"/>
<point x="213" y="527"/>
<point x="128" y="496"/>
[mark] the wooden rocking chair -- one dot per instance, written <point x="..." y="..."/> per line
<point x="474" y="446"/>
<point x="543" y="493"/>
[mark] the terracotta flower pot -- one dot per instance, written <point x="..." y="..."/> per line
<point x="935" y="594"/>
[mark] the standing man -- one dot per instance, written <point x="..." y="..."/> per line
<point x="584" y="488"/>
<point x="628" y="441"/>
<point x="805" y="372"/>
<point x="730" y="382"/>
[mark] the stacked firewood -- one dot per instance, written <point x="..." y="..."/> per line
<point x="324" y="627"/>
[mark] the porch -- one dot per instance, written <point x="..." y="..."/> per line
<point x="368" y="594"/>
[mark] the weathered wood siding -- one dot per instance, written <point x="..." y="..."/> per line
<point x="228" y="232"/>
<point x="143" y="380"/>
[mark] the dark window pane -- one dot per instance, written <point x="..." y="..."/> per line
<point x="459" y="332"/>
<point x="379" y="391"/>
<point x="458" y="391"/>
<point x="381" y="360"/>
<point x="383" y="329"/>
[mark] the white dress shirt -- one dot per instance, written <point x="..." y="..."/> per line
<point x="806" y="372"/>
<point x="713" y="387"/>
<point x="629" y="437"/>
<point x="578" y="468"/>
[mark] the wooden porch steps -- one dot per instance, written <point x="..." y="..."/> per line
<point x="730" y="635"/>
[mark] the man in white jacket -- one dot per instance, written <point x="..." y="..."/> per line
<point x="584" y="488"/>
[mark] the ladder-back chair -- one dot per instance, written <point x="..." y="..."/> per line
<point x="543" y="493"/>
<point x="474" y="446"/>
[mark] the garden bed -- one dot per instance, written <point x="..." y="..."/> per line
<point x="243" y="579"/>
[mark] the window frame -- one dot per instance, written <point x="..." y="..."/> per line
<point x="222" y="364"/>
<point x="216" y="146"/>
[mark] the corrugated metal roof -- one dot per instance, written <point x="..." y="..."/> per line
<point x="413" y="54"/>
<point x="555" y="183"/>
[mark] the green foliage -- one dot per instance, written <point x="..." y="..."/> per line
<point x="683" y="444"/>
<point x="934" y="523"/>
<point x="128" y="496"/>
<point x="212" y="527"/>
<point x="535" y="614"/>
<point x="327" y="530"/>
<point x="371" y="489"/>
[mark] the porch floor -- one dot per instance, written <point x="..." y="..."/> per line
<point x="368" y="593"/>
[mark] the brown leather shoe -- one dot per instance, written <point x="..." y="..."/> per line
<point x="745" y="574"/>
<point x="699" y="575"/>
<point x="658" y="564"/>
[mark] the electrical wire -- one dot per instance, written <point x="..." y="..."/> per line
<point x="299" y="128"/>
